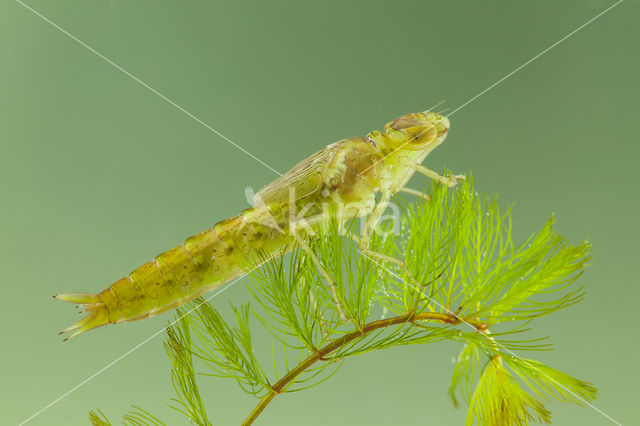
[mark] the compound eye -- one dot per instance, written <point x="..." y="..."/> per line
<point x="420" y="135"/>
<point x="404" y="123"/>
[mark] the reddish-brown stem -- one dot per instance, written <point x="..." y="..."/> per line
<point x="321" y="353"/>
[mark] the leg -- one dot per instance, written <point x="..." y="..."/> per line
<point x="416" y="193"/>
<point x="375" y="255"/>
<point x="367" y="232"/>
<point x="372" y="221"/>
<point x="450" y="181"/>
<point x="323" y="272"/>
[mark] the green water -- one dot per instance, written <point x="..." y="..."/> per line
<point x="98" y="175"/>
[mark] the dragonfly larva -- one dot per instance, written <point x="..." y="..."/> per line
<point x="345" y="176"/>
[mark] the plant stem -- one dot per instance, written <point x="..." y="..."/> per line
<point x="338" y="343"/>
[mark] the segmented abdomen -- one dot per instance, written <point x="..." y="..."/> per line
<point x="203" y="262"/>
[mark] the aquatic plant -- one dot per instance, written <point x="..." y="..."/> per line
<point x="465" y="281"/>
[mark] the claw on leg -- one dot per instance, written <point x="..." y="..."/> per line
<point x="450" y="181"/>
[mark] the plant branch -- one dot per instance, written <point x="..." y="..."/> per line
<point x="460" y="245"/>
<point x="321" y="353"/>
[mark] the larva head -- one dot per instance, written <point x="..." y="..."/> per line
<point x="421" y="131"/>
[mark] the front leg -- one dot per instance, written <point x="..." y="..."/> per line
<point x="450" y="181"/>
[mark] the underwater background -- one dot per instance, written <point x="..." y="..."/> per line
<point x="98" y="174"/>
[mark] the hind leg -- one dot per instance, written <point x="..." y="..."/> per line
<point x="330" y="282"/>
<point x="367" y="233"/>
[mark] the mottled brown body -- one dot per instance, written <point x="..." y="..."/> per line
<point x="343" y="177"/>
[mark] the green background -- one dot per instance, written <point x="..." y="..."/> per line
<point x="98" y="175"/>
